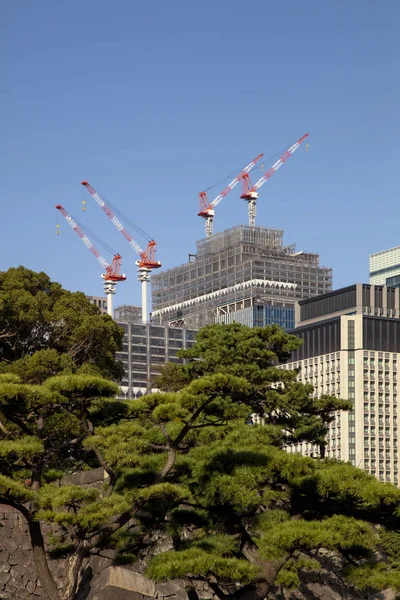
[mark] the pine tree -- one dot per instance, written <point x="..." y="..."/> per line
<point x="241" y="513"/>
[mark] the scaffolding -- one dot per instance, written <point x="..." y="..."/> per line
<point x="128" y="314"/>
<point x="239" y="268"/>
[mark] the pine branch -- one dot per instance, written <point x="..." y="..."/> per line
<point x="88" y="427"/>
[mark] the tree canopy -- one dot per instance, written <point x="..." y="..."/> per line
<point x="241" y="514"/>
<point x="45" y="330"/>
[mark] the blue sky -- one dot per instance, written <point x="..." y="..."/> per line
<point x="154" y="101"/>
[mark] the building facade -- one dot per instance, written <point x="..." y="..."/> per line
<point x="145" y="348"/>
<point x="244" y="274"/>
<point x="128" y="314"/>
<point x="351" y="348"/>
<point x="100" y="302"/>
<point x="384" y="267"/>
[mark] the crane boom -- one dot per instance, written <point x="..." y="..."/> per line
<point x="83" y="236"/>
<point x="112" y="271"/>
<point x="276" y="165"/>
<point x="207" y="206"/>
<point x="250" y="192"/>
<point x="146" y="256"/>
<point x="114" y="219"/>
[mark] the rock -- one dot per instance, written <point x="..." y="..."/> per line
<point x="387" y="594"/>
<point x="31" y="586"/>
<point x="4" y="579"/>
<point x="117" y="583"/>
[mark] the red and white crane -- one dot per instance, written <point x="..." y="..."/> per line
<point x="207" y="209"/>
<point x="146" y="262"/>
<point x="250" y="192"/>
<point x="112" y="273"/>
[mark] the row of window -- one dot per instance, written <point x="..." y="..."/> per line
<point x="371" y="384"/>
<point x="388" y="452"/>
<point x="380" y="362"/>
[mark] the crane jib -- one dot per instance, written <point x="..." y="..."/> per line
<point x="293" y="148"/>
<point x="117" y="223"/>
<point x="99" y="200"/>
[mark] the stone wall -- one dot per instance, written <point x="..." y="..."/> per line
<point x="103" y="581"/>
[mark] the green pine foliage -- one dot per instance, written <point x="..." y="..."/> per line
<point x="185" y="463"/>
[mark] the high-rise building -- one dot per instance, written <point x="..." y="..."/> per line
<point x="244" y="274"/>
<point x="351" y="349"/>
<point x="384" y="267"/>
<point x="145" y="348"/>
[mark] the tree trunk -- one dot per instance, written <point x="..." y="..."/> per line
<point x="72" y="580"/>
<point x="169" y="464"/>
<point x="40" y="558"/>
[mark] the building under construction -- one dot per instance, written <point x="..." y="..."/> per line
<point x="244" y="274"/>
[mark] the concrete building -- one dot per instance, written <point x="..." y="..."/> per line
<point x="145" y="349"/>
<point x="384" y="267"/>
<point x="100" y="302"/>
<point x="128" y="314"/>
<point x="351" y="349"/>
<point x="244" y="274"/>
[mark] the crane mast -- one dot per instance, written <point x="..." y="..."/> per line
<point x="207" y="209"/>
<point x="112" y="273"/>
<point x="250" y="192"/>
<point x="146" y="262"/>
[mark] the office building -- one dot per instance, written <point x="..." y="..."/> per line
<point x="244" y="274"/>
<point x="351" y="349"/>
<point x="145" y="349"/>
<point x="384" y="267"/>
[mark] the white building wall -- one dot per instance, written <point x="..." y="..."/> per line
<point x="368" y="435"/>
<point x="384" y="264"/>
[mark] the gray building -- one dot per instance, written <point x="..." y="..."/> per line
<point x="145" y="349"/>
<point x="351" y="348"/>
<point x="128" y="314"/>
<point x="244" y="274"/>
<point x="100" y="302"/>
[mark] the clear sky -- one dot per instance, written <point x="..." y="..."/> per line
<point x="154" y="101"/>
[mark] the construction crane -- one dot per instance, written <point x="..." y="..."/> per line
<point x="147" y="260"/>
<point x="207" y="209"/>
<point x="250" y="192"/>
<point x="112" y="273"/>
